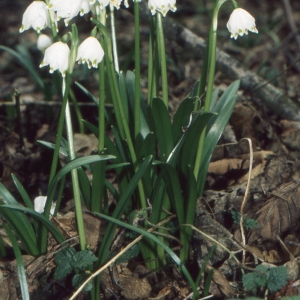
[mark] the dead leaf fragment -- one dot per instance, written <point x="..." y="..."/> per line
<point x="279" y="215"/>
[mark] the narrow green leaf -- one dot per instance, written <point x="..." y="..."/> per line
<point x="163" y="129"/>
<point x="171" y="180"/>
<point x="52" y="229"/>
<point x="216" y="126"/>
<point x="123" y="94"/>
<point x="22" y="192"/>
<point x="182" y="117"/>
<point x="62" y="150"/>
<point x="190" y="143"/>
<point x="19" y="222"/>
<point x="76" y="163"/>
<point x="20" y="265"/>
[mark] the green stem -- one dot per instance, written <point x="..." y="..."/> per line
<point x="99" y="167"/>
<point x="74" y="175"/>
<point x="53" y="23"/>
<point x="101" y="122"/>
<point x="212" y="50"/>
<point x="113" y="35"/>
<point x="151" y="61"/>
<point x="118" y="106"/>
<point x="137" y="96"/>
<point x="162" y="56"/>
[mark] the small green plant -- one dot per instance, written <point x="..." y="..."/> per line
<point x="262" y="277"/>
<point x="69" y="261"/>
<point x="248" y="223"/>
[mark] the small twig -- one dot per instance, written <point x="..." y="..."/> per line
<point x="212" y="239"/>
<point x="246" y="196"/>
<point x="112" y="261"/>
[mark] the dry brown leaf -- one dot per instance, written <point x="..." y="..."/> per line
<point x="94" y="227"/>
<point x="220" y="167"/>
<point x="291" y="134"/>
<point x="219" y="285"/>
<point x="260" y="159"/>
<point x="279" y="215"/>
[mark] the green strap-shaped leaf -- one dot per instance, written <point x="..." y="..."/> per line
<point x="163" y="129"/>
<point x="22" y="192"/>
<point x="20" y="265"/>
<point x="216" y="126"/>
<point x="182" y="117"/>
<point x="52" y="229"/>
<point x="76" y="163"/>
<point x="19" y="222"/>
<point x="192" y="135"/>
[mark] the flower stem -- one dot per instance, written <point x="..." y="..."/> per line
<point x="162" y="56"/>
<point x="211" y="53"/>
<point x="101" y="123"/>
<point x="137" y="95"/>
<point x="113" y="35"/>
<point x="74" y="175"/>
<point x="99" y="167"/>
<point x="118" y="106"/>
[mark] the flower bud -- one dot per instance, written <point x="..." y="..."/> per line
<point x="43" y="42"/>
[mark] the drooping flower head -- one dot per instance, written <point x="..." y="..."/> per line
<point x="90" y="52"/>
<point x="35" y="16"/>
<point x="65" y="9"/>
<point x="240" y="22"/>
<point x="57" y="57"/>
<point x="162" y="6"/>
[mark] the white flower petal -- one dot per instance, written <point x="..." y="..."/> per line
<point x="90" y="52"/>
<point x="102" y="3"/>
<point x="162" y="6"/>
<point x="57" y="57"/>
<point x="39" y="205"/>
<point x="65" y="9"/>
<point x="240" y="22"/>
<point x="35" y="16"/>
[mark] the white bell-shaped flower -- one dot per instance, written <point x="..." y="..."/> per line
<point x="39" y="205"/>
<point x="35" y="16"/>
<point x="57" y="57"/>
<point x="162" y="6"/>
<point x="90" y="52"/>
<point x="65" y="9"/>
<point x="240" y="22"/>
<point x="102" y="3"/>
<point x="43" y="42"/>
